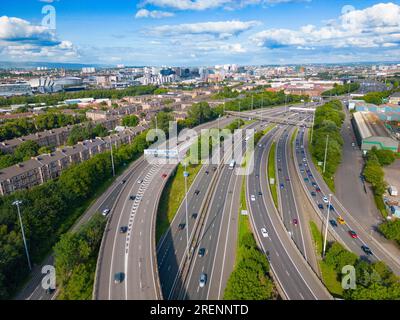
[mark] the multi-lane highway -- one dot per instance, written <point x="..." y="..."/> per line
<point x="318" y="193"/>
<point x="293" y="276"/>
<point x="131" y="254"/>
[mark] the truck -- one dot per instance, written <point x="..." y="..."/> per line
<point x="232" y="164"/>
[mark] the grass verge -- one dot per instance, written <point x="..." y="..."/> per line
<point x="172" y="197"/>
<point x="272" y="173"/>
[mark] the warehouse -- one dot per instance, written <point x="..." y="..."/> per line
<point x="371" y="132"/>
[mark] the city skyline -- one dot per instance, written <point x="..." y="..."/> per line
<point x="195" y="33"/>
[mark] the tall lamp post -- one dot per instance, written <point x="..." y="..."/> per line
<point x="186" y="174"/>
<point x="326" y="225"/>
<point x="326" y="152"/>
<point x="112" y="158"/>
<point x="17" y="204"/>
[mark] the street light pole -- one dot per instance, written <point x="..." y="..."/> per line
<point x="112" y="158"/>
<point x="17" y="203"/>
<point x="326" y="152"/>
<point x="326" y="225"/>
<point x="312" y="126"/>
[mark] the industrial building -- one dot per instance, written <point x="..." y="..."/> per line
<point x="371" y="132"/>
<point x="385" y="112"/>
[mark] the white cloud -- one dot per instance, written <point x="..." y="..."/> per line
<point x="19" y="39"/>
<point x="233" y="48"/>
<point x="368" y="28"/>
<point x="211" y="4"/>
<point x="155" y="14"/>
<point x="221" y="29"/>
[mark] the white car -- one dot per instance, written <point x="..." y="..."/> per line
<point x="140" y="181"/>
<point x="105" y="212"/>
<point x="325" y="199"/>
<point x="264" y="232"/>
<point x="253" y="197"/>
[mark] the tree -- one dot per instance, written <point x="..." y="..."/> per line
<point x="26" y="150"/>
<point x="163" y="119"/>
<point x="130" y="121"/>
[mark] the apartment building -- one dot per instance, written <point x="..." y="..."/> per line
<point x="46" y="167"/>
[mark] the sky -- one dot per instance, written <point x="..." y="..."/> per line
<point x="199" y="32"/>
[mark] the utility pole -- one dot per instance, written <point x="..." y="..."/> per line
<point x="112" y="158"/>
<point x="326" y="152"/>
<point x="326" y="225"/>
<point x="17" y="204"/>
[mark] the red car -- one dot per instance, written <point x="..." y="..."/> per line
<point x="353" y="234"/>
<point x="164" y="175"/>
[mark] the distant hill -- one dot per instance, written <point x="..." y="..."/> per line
<point x="50" y="65"/>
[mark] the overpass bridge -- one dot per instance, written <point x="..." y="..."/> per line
<point x="272" y="119"/>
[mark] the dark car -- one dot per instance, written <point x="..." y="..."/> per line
<point x="207" y="172"/>
<point x="282" y="185"/>
<point x="295" y="222"/>
<point x="123" y="181"/>
<point x="132" y="197"/>
<point x="313" y="193"/>
<point x="50" y="290"/>
<point x="367" y="250"/>
<point x="330" y="207"/>
<point x="119" y="277"/>
<point x="194" y="216"/>
<point x="317" y="189"/>
<point x="181" y="226"/>
<point x="197" y="192"/>
<point x="214" y="168"/>
<point x="202" y="252"/>
<point x="333" y="223"/>
<point x="260" y="193"/>
<point x="123" y="229"/>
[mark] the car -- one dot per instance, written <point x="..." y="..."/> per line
<point x="318" y="189"/>
<point x="306" y="165"/>
<point x="295" y="222"/>
<point x="302" y="171"/>
<point x="257" y="175"/>
<point x="123" y="181"/>
<point x="325" y="199"/>
<point x="259" y="193"/>
<point x="214" y="168"/>
<point x="353" y="234"/>
<point x="304" y="160"/>
<point x="119" y="277"/>
<point x="306" y="179"/>
<point x="203" y="280"/>
<point x="260" y="145"/>
<point x="321" y="206"/>
<point x="264" y="232"/>
<point x="341" y="220"/>
<point x="181" y="226"/>
<point x="202" y="252"/>
<point x="140" y="181"/>
<point x="313" y="193"/>
<point x="197" y="192"/>
<point x="105" y="212"/>
<point x="207" y="172"/>
<point x="132" y="197"/>
<point x="333" y="223"/>
<point x="282" y="185"/>
<point x="287" y="179"/>
<point x="366" y="250"/>
<point x="279" y="169"/>
<point x="123" y="229"/>
<point x="253" y="198"/>
<point x="330" y="206"/>
<point x="194" y="216"/>
<point x="50" y="291"/>
<point x="164" y="175"/>
<point x="314" y="185"/>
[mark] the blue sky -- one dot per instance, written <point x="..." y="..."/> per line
<point x="201" y="32"/>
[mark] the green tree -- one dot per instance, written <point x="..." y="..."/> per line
<point x="130" y="121"/>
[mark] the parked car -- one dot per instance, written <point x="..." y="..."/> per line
<point x="132" y="197"/>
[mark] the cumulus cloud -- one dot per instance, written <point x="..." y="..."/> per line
<point x="155" y="14"/>
<point x="221" y="29"/>
<point x="375" y="26"/>
<point x="19" y="39"/>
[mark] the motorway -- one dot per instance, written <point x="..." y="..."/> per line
<point x="293" y="276"/>
<point x="133" y="253"/>
<point x="308" y="172"/>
